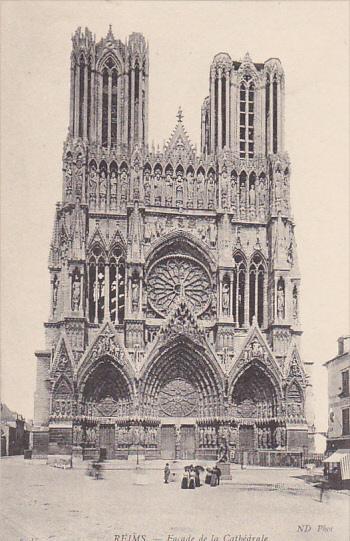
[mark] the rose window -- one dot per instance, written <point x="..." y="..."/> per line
<point x="178" y="398"/>
<point x="173" y="276"/>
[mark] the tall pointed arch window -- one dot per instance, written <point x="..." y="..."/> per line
<point x="246" y="118"/>
<point x="109" y="98"/>
<point x="82" y="96"/>
<point x="105" y="107"/>
<point x="96" y="285"/>
<point x="275" y="113"/>
<point x="117" y="285"/>
<point x="239" y="282"/>
<point x="114" y="108"/>
<point x="256" y="289"/>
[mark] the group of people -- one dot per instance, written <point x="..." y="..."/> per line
<point x="191" y="476"/>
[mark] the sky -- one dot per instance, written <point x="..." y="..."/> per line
<point x="312" y="41"/>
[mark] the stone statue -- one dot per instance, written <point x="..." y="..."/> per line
<point x="135" y="295"/>
<point x="103" y="184"/>
<point x="68" y="179"/>
<point x="123" y="188"/>
<point x="212" y="234"/>
<point x="252" y="196"/>
<point x="113" y="185"/>
<point x="147" y="188"/>
<point x="78" y="178"/>
<point x="168" y="191"/>
<point x="211" y="191"/>
<point x="200" y="190"/>
<point x="179" y="192"/>
<point x="190" y="190"/>
<point x="295" y="303"/>
<point x="280" y="302"/>
<point x="75" y="295"/>
<point x="54" y="294"/>
<point x="233" y="192"/>
<point x="225" y="298"/>
<point x="224" y="189"/>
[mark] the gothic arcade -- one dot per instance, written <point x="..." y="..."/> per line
<point x="174" y="319"/>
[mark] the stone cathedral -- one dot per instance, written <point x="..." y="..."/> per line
<point x="175" y="288"/>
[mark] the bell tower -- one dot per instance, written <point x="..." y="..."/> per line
<point x="109" y="90"/>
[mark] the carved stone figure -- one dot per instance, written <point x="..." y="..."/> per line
<point x="123" y="188"/>
<point x="190" y="182"/>
<point x="75" y="295"/>
<point x="103" y="185"/>
<point x="200" y="190"/>
<point x="225" y="299"/>
<point x="280" y="302"/>
<point x="179" y="192"/>
<point x="233" y="193"/>
<point x="295" y="303"/>
<point x="68" y="179"/>
<point x="224" y="190"/>
<point x="114" y="182"/>
<point x="168" y="191"/>
<point x="78" y="178"/>
<point x="135" y="295"/>
<point x="147" y="188"/>
<point x="252" y="196"/>
<point x="211" y="191"/>
<point x="54" y="293"/>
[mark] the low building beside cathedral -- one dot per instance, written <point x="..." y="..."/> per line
<point x="175" y="288"/>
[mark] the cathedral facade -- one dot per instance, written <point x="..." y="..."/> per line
<point x="175" y="289"/>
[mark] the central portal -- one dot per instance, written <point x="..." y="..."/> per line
<point x="187" y="442"/>
<point x="178" y="443"/>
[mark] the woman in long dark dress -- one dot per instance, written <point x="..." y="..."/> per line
<point x="214" y="478"/>
<point x="185" y="479"/>
<point x="208" y="476"/>
<point x="192" y="482"/>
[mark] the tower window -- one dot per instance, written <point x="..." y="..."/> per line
<point x="246" y="120"/>
<point x="275" y="113"/>
<point x="256" y="290"/>
<point x="238" y="293"/>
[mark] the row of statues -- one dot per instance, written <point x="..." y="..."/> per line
<point x="271" y="438"/>
<point x="244" y="196"/>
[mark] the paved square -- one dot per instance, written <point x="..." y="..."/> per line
<point x="43" y="503"/>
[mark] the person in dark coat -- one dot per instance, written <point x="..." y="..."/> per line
<point x="214" y="478"/>
<point x="192" y="481"/>
<point x="208" y="476"/>
<point x="166" y="473"/>
<point x="185" y="479"/>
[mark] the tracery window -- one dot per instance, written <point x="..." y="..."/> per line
<point x="96" y="276"/>
<point x="81" y="95"/>
<point x="239" y="279"/>
<point x="275" y="113"/>
<point x="105" y="107"/>
<point x="114" y="109"/>
<point x="117" y="286"/>
<point x="267" y="110"/>
<point x="103" y="271"/>
<point x="256" y="289"/>
<point x="246" y="118"/>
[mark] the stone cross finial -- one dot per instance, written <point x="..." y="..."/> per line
<point x="179" y="114"/>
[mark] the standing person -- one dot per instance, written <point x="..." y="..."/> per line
<point x="192" y="482"/>
<point x="185" y="479"/>
<point x="218" y="473"/>
<point x="214" y="477"/>
<point x="166" y="473"/>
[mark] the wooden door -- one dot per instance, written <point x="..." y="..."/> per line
<point x="187" y="442"/>
<point x="246" y="438"/>
<point x="107" y="440"/>
<point x="167" y="441"/>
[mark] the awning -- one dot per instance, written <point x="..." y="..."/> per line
<point x="342" y="457"/>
